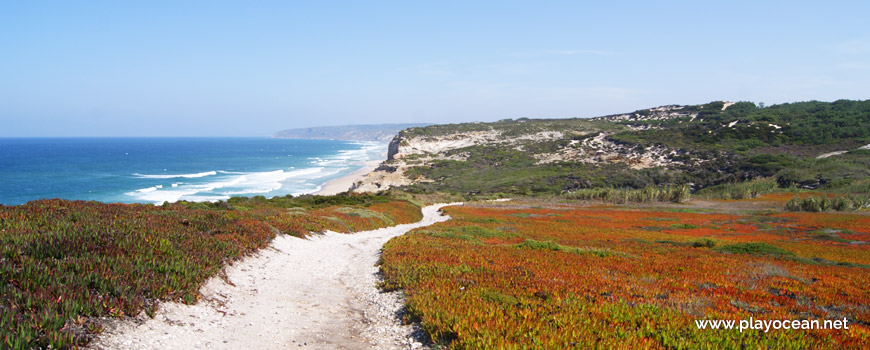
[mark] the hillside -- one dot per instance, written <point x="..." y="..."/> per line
<point x="375" y="132"/>
<point x="808" y="145"/>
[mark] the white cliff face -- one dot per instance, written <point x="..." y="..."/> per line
<point x="441" y="144"/>
<point x="437" y="145"/>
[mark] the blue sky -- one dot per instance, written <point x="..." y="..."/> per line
<point x="214" y="68"/>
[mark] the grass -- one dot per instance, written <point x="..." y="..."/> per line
<point x="548" y="245"/>
<point x="740" y="190"/>
<point x="675" y="194"/>
<point x="754" y="248"/>
<point x="826" y="203"/>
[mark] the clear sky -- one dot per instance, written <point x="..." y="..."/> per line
<point x="249" y="68"/>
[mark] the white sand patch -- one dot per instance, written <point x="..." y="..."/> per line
<point x="317" y="293"/>
<point x="831" y="154"/>
<point x="837" y="153"/>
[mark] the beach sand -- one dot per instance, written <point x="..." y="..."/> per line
<point x="342" y="184"/>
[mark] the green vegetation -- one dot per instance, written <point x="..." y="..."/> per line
<point x="308" y="201"/>
<point x="676" y="194"/>
<point x="549" y="245"/>
<point x="740" y="152"/>
<point x="755" y="248"/>
<point x="803" y="123"/>
<point x="740" y="190"/>
<point x="825" y="203"/>
<point x="67" y="264"/>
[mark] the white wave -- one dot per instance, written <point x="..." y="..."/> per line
<point x="146" y="190"/>
<point x="188" y="176"/>
<point x="247" y="183"/>
<point x="328" y="162"/>
<point x="206" y="198"/>
<point x="308" y="191"/>
<point x="220" y="184"/>
<point x="176" y="194"/>
<point x="344" y="157"/>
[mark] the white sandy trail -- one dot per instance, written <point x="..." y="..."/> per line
<point x="317" y="293"/>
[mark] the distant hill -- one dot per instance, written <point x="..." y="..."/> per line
<point x="812" y="145"/>
<point x="371" y="132"/>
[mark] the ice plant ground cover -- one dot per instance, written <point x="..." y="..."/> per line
<point x="520" y="277"/>
<point x="67" y="264"/>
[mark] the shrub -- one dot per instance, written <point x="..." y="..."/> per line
<point x="754" y="249"/>
<point x="704" y="243"/>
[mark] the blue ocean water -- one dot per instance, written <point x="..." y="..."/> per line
<point x="154" y="170"/>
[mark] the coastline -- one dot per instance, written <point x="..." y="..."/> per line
<point x="342" y="184"/>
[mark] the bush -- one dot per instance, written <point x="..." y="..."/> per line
<point x="754" y="249"/>
<point x="704" y="243"/>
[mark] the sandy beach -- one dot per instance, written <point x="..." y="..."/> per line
<point x="318" y="293"/>
<point x="342" y="184"/>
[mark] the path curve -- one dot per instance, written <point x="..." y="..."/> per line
<point x="317" y="293"/>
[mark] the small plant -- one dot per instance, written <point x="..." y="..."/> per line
<point x="704" y="243"/>
<point x="754" y="248"/>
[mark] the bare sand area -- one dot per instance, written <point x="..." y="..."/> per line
<point x="318" y="293"/>
<point x="342" y="184"/>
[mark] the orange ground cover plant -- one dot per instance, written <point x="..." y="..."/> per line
<point x="611" y="277"/>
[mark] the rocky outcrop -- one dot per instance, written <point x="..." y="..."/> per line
<point x="393" y="148"/>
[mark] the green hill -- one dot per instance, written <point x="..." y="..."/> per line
<point x="813" y="145"/>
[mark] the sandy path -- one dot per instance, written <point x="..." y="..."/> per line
<point x="317" y="293"/>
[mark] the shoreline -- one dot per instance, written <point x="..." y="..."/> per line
<point x="342" y="184"/>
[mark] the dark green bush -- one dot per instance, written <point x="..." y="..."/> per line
<point x="754" y="249"/>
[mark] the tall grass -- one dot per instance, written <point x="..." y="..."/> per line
<point x="823" y="203"/>
<point x="675" y="194"/>
<point x="852" y="187"/>
<point x="740" y="190"/>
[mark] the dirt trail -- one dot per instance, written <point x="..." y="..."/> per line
<point x="317" y="293"/>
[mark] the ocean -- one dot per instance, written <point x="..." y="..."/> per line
<point x="155" y="170"/>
